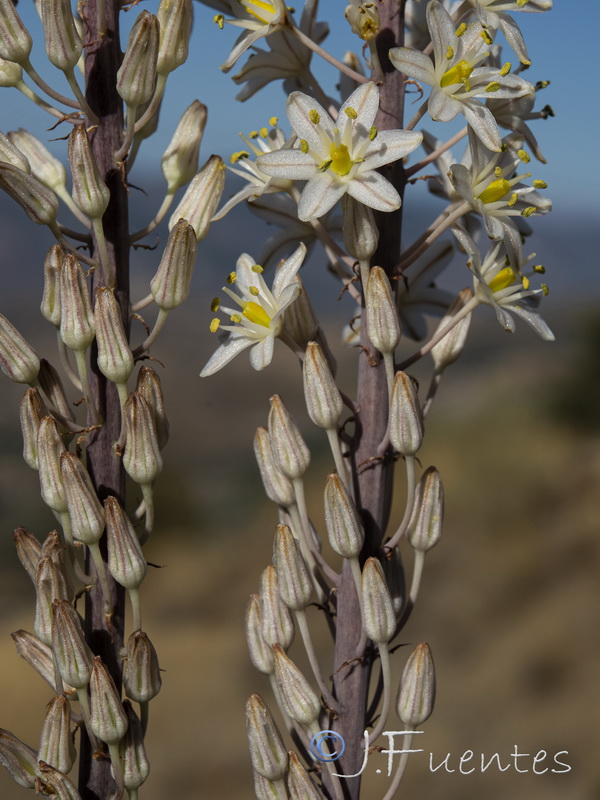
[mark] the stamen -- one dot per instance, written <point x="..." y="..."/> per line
<point x="263" y="133"/>
<point x="492" y="87"/>
<point x="273" y="122"/>
<point x="372" y="133"/>
<point x="506" y="69"/>
<point x="314" y="116"/>
<point x="214" y="325"/>
<point x="304" y="146"/>
<point x="235" y="157"/>
<point x="449" y="53"/>
<point x="257" y="268"/>
<point x="527" y="212"/>
<point x="461" y="29"/>
<point x="235" y="318"/>
<point x="524" y="156"/>
<point x="231" y="278"/>
<point x="350" y="112"/>
<point x="540" y="184"/>
<point x="214" y="306"/>
<point x="253" y="291"/>
<point x="485" y="35"/>
<point x="219" y="20"/>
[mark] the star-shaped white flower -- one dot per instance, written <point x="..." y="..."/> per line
<point x="492" y="14"/>
<point x="259" y="319"/>
<point x="342" y="156"/>
<point x="258" y="18"/>
<point x="455" y="76"/>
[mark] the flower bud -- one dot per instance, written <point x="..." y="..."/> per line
<point x="141" y="458"/>
<point x="323" y="399"/>
<point x="202" y="197"/>
<point x="36" y="200"/>
<point x="277" y="487"/>
<point x="298" y="699"/>
<point x="260" y="652"/>
<point x="378" y="615"/>
<point x="277" y="625"/>
<point x="115" y="359"/>
<point x="52" y="547"/>
<point x="31" y="411"/>
<point x="170" y="286"/>
<point x="11" y="74"/>
<point x="136" y="77"/>
<point x="76" y="318"/>
<point x="19" y="759"/>
<point x="417" y="687"/>
<point x="85" y="510"/>
<point x="50" y="305"/>
<point x="90" y="193"/>
<point x="179" y="162"/>
<point x="425" y="526"/>
<point x="175" y="17"/>
<point x="383" y="325"/>
<point x="28" y="550"/>
<point x="361" y="235"/>
<point x="56" y="741"/>
<point x="300" y="321"/>
<point x="290" y="453"/>
<point x="267" y="751"/>
<point x="44" y="166"/>
<point x="295" y="586"/>
<point x="108" y="719"/>
<point x="126" y="562"/>
<point x="148" y="385"/>
<point x="51" y="385"/>
<point x="363" y="19"/>
<point x="63" y="44"/>
<point x="406" y="418"/>
<point x="344" y="529"/>
<point x="55" y="784"/>
<point x="18" y="360"/>
<point x="133" y="753"/>
<point x="49" y="448"/>
<point x="12" y="155"/>
<point x="449" y="348"/>
<point x="71" y="652"/>
<point x="264" y="789"/>
<point x="15" y="41"/>
<point x="39" y="657"/>
<point x="50" y="585"/>
<point x="300" y="786"/>
<point x="141" y="673"/>
<point x="393" y="569"/>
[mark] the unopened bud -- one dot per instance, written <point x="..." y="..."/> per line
<point x="449" y="348"/>
<point x="141" y="458"/>
<point x="379" y="619"/>
<point x="298" y="699"/>
<point x="406" y="417"/>
<point x="126" y="562"/>
<point x="55" y="784"/>
<point x="36" y="200"/>
<point x="18" y="360"/>
<point x="264" y="789"/>
<point x="277" y="487"/>
<point x="28" y="550"/>
<point x="72" y="654"/>
<point x="393" y="569"/>
<point x="148" y="385"/>
<point x="63" y="44"/>
<point x="344" y="529"/>
<point x="141" y="673"/>
<point x="417" y="687"/>
<point x="49" y="448"/>
<point x="295" y="586"/>
<point x="76" y="316"/>
<point x="361" y="235"/>
<point x="277" y="624"/>
<point x="51" y="384"/>
<point x="52" y="547"/>
<point x="136" y="767"/>
<point x="50" y="585"/>
<point x="44" y="166"/>
<point x="170" y="286"/>
<point x="175" y="17"/>
<point x="179" y="162"/>
<point x="202" y="197"/>
<point x="10" y="154"/>
<point x="19" y="759"/>
<point x="108" y="719"/>
<point x="383" y="325"/>
<point x="115" y="359"/>
<point x="290" y="453"/>
<point x="136" y="77"/>
<point x="85" y="510"/>
<point x="363" y="19"/>
<point x="300" y="321"/>
<point x="260" y="651"/>
<point x="50" y="305"/>
<point x="39" y="657"/>
<point x="90" y="193"/>
<point x="15" y="41"/>
<point x="323" y="400"/>
<point x="267" y="751"/>
<point x="11" y="74"/>
<point x="300" y="786"/>
<point x="425" y="527"/>
<point x="31" y="412"/>
<point x="56" y="741"/>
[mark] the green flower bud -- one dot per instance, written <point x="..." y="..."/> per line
<point x="39" y="656"/>
<point x="141" y="673"/>
<point x="12" y="155"/>
<point x="11" y="74"/>
<point x="133" y="753"/>
<point x="175" y="17"/>
<point x="50" y="305"/>
<point x="28" y="550"/>
<point x="277" y="487"/>
<point x="31" y="411"/>
<point x="300" y="786"/>
<point x="19" y="759"/>
<point x="18" y="361"/>
<point x="323" y="400"/>
<point x="277" y="625"/>
<point x="126" y="562"/>
<point x="56" y="742"/>
<point x="44" y="166"/>
<point x="344" y="529"/>
<point x="449" y="348"/>
<point x="148" y="385"/>
<point x="425" y="527"/>
<point x="50" y="585"/>
<point x="267" y="751"/>
<point x="260" y="652"/>
<point x="15" y="41"/>
<point x="417" y="687"/>
<point x="63" y="44"/>
<point x="108" y="719"/>
<point x="50" y="446"/>
<point x="290" y="453"/>
<point x="90" y="193"/>
<point x="36" y="200"/>
<point x="295" y="586"/>
<point x="361" y="235"/>
<point x="85" y="510"/>
<point x="170" y="286"/>
<point x="179" y="162"/>
<point x="406" y="417"/>
<point x="51" y="385"/>
<point x="141" y="458"/>
<point x="297" y="697"/>
<point x="383" y="325"/>
<point x="202" y="197"/>
<point x="136" y="77"/>
<point x="76" y="318"/>
<point x="115" y="359"/>
<point x="379" y="619"/>
<point x="73" y="656"/>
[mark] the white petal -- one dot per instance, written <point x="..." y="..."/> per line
<point x="319" y="195"/>
<point x="537" y="323"/>
<point x="243" y="43"/>
<point x="289" y="164"/>
<point x="261" y="354"/>
<point x="482" y="121"/>
<point x="299" y="106"/>
<point x="365" y="101"/>
<point x="441" y="28"/>
<point x="514" y="37"/>
<point x="373" y="190"/>
<point x="504" y="318"/>
<point x="441" y="107"/>
<point x="414" y="64"/>
<point x="460" y="178"/>
<point x="390" y="146"/>
<point x="287" y="271"/>
<point x="225" y="353"/>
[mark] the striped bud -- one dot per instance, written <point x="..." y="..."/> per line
<point x="85" y="510"/>
<point x="56" y="742"/>
<point x="393" y="569"/>
<point x="63" y="44"/>
<point x="425" y="527"/>
<point x="175" y="17"/>
<point x="126" y="562"/>
<point x="73" y="657"/>
<point x="39" y="657"/>
<point x="136" y="767"/>
<point x="323" y="400"/>
<point x="277" y="625"/>
<point x="76" y="317"/>
<point x="52" y="547"/>
<point x="90" y="193"/>
<point x="136" y="77"/>
<point x="267" y="751"/>
<point x="11" y="74"/>
<point x="179" y="162"/>
<point x="115" y="359"/>
<point x="141" y="458"/>
<point x="298" y="699"/>
<point x="44" y="166"/>
<point x="19" y="759"/>
<point x="300" y="786"/>
<point x="406" y="417"/>
<point x="202" y="197"/>
<point x="56" y="784"/>
<point x="378" y="615"/>
<point x="383" y="324"/>
<point x="148" y="385"/>
<point x="15" y="41"/>
<point x="277" y="487"/>
<point x="300" y="321"/>
<point x="141" y="673"/>
<point x="50" y="585"/>
<point x="108" y="719"/>
<point x="36" y="200"/>
<point x="417" y="687"/>
<point x="361" y="235"/>
<point x="31" y="412"/>
<point x="295" y="586"/>
<point x="264" y="789"/>
<point x="18" y="360"/>
<point x="28" y="550"/>
<point x="50" y="305"/>
<point x="260" y="652"/>
<point x="51" y="385"/>
<point x="50" y="446"/>
<point x="344" y="529"/>
<point x="449" y="348"/>
<point x="290" y="453"/>
<point x="10" y="154"/>
<point x="170" y="286"/>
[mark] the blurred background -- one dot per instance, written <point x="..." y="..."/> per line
<point x="509" y="601"/>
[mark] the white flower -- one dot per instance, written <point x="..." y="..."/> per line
<point x="260" y="320"/>
<point x="259" y="18"/>
<point x="491" y="14"/>
<point x="513" y="114"/>
<point x="455" y="77"/>
<point x="363" y="18"/>
<point x="341" y="157"/>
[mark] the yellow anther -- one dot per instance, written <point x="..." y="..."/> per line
<point x="498" y="172"/>
<point x="492" y="87"/>
<point x="231" y="278"/>
<point x="235" y="157"/>
<point x="273" y="122"/>
<point x="449" y="53"/>
<point x="314" y="116"/>
<point x="324" y="165"/>
<point x="461" y="29"/>
<point x="525" y="282"/>
<point x="540" y="184"/>
<point x="495" y="191"/>
<point x="373" y="133"/>
<point x="214" y="325"/>
<point x="304" y="146"/>
<point x="542" y="84"/>
<point x="522" y="3"/>
<point x="253" y="291"/>
<point x="257" y="268"/>
<point x="524" y="156"/>
<point x="485" y="35"/>
<point x="502" y="279"/>
<point x="351" y="112"/>
<point x="513" y="200"/>
<point x="459" y="73"/>
<point x="506" y="69"/>
<point x="525" y="63"/>
<point x="235" y="318"/>
<point x="257" y="314"/>
<point x="341" y="163"/>
<point x="214" y="306"/>
<point x="540" y="269"/>
<point x="263" y="133"/>
<point x="544" y="289"/>
<point x="219" y="20"/>
<point x="253" y="135"/>
<point x="527" y="212"/>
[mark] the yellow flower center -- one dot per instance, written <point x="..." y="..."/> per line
<point x="459" y="73"/>
<point x="341" y="163"/>
<point x="256" y="313"/>
<point x="255" y="7"/>
<point x="495" y="191"/>
<point x="503" y="279"/>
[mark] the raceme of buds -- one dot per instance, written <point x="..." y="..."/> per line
<point x="15" y="41"/>
<point x="179" y="162"/>
<point x="260" y="651"/>
<point x="300" y="321"/>
<point x="148" y="385"/>
<point x="141" y="458"/>
<point x="85" y="510"/>
<point x="12" y="155"/>
<point x="133" y="753"/>
<point x="298" y="699"/>
<point x="170" y="286"/>
<point x="50" y="305"/>
<point x="19" y="759"/>
<point x="115" y="359"/>
<point x="202" y="197"/>
<point x="277" y="487"/>
<point x="28" y="550"/>
<point x="31" y="412"/>
<point x="50" y="585"/>
<point x="267" y="751"/>
<point x="406" y="418"/>
<point x="425" y="527"/>
<point x="108" y="720"/>
<point x="136" y="77"/>
<point x="39" y="656"/>
<point x="56" y="742"/>
<point x="175" y="17"/>
<point x="11" y="74"/>
<point x="344" y="529"/>
<point x="36" y="200"/>
<point x="73" y="656"/>
<point x="383" y="325"/>
<point x="323" y="400"/>
<point x="449" y="348"/>
<point x="277" y="625"/>
<point x="290" y="453"/>
<point x="18" y="360"/>
<point x="76" y="317"/>
<point x="378" y="615"/>
<point x="51" y="384"/>
<point x="90" y="193"/>
<point x="141" y="673"/>
<point x="361" y="235"/>
<point x="417" y="687"/>
<point x="49" y="449"/>
<point x="363" y="19"/>
<point x="63" y="44"/>
<point x="295" y="586"/>
<point x="126" y="561"/>
<point x="44" y="166"/>
<point x="300" y="785"/>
